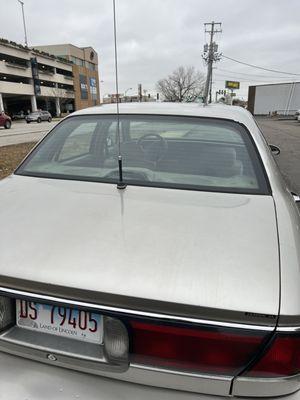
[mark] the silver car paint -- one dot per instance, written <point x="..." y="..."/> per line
<point x="288" y="226"/>
<point x="42" y="115"/>
<point x="117" y="242"/>
<point x="286" y="212"/>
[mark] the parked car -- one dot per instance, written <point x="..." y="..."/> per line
<point x="38" y="116"/>
<point x="5" y="120"/>
<point x="159" y="247"/>
<point x="297" y="113"/>
<point x="19" y="115"/>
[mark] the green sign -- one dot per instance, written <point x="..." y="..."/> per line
<point x="232" y="85"/>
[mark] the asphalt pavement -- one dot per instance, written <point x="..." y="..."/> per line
<point x="286" y="135"/>
<point x="21" y="132"/>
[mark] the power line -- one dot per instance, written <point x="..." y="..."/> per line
<point x="256" y="75"/>
<point x="255" y="66"/>
<point x="244" y="79"/>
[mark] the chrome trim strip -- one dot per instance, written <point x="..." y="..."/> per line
<point x="191" y="374"/>
<point x="51" y="299"/>
<point x="288" y="329"/>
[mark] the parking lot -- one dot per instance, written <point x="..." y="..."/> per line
<point x="21" y="132"/>
<point x="286" y="135"/>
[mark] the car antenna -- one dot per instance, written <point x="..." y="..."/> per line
<point x="121" y="184"/>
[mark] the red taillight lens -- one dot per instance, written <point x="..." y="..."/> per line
<point x="203" y="350"/>
<point x="281" y="359"/>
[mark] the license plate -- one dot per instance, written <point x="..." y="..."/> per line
<point x="61" y="321"/>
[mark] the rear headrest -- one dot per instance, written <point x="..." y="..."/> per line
<point x="219" y="154"/>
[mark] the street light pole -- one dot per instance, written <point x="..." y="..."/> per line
<point x="127" y="91"/>
<point x="24" y="24"/>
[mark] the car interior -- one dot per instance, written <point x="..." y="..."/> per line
<point x="151" y="151"/>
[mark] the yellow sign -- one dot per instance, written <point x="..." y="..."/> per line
<point x="232" y="85"/>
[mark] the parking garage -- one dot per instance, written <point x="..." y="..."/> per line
<point x="22" y="89"/>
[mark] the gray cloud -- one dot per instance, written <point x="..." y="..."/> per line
<point x="155" y="37"/>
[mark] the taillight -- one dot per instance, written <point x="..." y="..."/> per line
<point x="198" y="349"/>
<point x="282" y="358"/>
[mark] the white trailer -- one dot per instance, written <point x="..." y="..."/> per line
<point x="283" y="98"/>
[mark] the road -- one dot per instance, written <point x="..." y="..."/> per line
<point x="286" y="135"/>
<point x="21" y="132"/>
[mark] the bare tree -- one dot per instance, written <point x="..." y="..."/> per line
<point x="184" y="84"/>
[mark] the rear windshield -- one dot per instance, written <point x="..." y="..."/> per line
<point x="163" y="151"/>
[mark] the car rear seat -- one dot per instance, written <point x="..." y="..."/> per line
<point x="201" y="159"/>
<point x="220" y="161"/>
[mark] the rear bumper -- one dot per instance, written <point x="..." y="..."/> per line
<point x="26" y="379"/>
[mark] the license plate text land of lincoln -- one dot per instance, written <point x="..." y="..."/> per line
<point x="60" y="321"/>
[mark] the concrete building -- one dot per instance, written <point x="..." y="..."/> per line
<point x="280" y="98"/>
<point x="31" y="79"/>
<point x="85" y="71"/>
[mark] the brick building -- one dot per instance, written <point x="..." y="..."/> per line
<point x="85" y="71"/>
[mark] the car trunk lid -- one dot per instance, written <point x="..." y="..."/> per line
<point x="216" y="251"/>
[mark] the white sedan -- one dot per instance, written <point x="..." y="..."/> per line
<point x="159" y="247"/>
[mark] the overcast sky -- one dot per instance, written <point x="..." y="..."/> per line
<point x="157" y="36"/>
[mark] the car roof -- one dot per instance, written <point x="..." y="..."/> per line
<point x="222" y="111"/>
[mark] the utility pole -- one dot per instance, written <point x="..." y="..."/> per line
<point x="140" y="92"/>
<point x="24" y="24"/>
<point x="210" y="55"/>
<point x="210" y="87"/>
